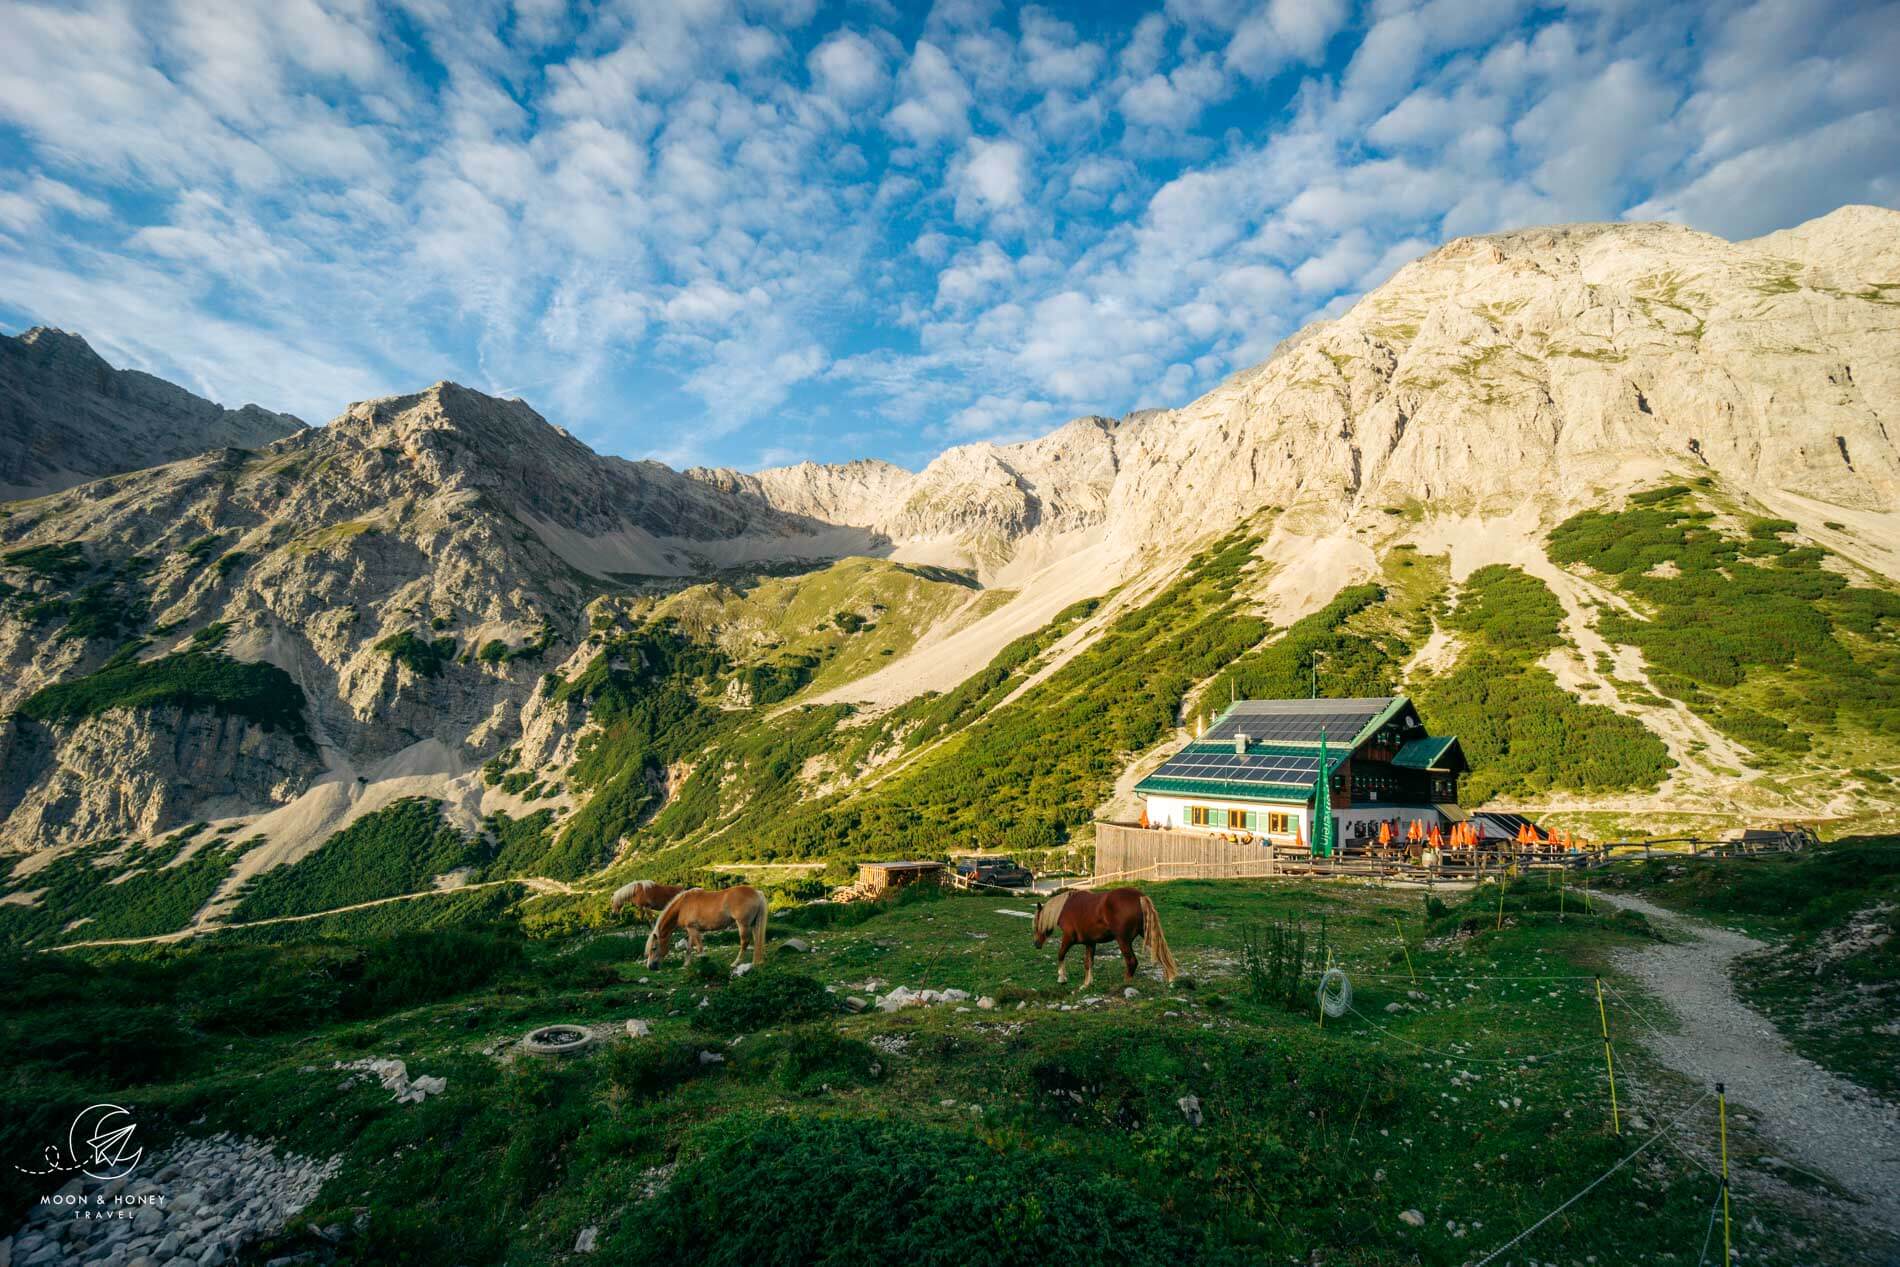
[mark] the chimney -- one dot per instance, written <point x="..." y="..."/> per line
<point x="1240" y="744"/>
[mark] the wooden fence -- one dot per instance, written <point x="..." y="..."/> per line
<point x="1126" y="851"/>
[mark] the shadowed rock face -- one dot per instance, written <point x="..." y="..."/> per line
<point x="67" y="417"/>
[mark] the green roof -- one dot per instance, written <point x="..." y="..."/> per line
<point x="1272" y="793"/>
<point x="1424" y="754"/>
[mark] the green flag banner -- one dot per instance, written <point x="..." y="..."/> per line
<point x="1324" y="834"/>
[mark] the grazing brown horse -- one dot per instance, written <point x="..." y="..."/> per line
<point x="1118" y="915"/>
<point x="646" y="897"/>
<point x="698" y="911"/>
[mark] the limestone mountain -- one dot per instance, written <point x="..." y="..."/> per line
<point x="1562" y="363"/>
<point x="441" y="594"/>
<point x="980" y="505"/>
<point x="350" y="565"/>
<point x="66" y="416"/>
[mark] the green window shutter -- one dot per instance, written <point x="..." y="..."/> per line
<point x="1220" y="818"/>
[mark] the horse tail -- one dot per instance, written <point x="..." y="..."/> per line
<point x="758" y="931"/>
<point x="1157" y="942"/>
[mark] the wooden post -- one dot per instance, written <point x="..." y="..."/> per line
<point x="1403" y="947"/>
<point x="1560" y="896"/>
<point x="1500" y="901"/>
<point x="1609" y="1063"/>
<point x="1721" y="1108"/>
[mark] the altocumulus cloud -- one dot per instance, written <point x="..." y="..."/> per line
<point x="743" y="231"/>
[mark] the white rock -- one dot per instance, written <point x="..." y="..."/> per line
<point x="637" y="1028"/>
<point x="1190" y="1106"/>
<point x="586" y="1241"/>
<point x="1411" y="1218"/>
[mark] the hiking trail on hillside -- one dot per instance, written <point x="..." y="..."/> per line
<point x="1822" y="1121"/>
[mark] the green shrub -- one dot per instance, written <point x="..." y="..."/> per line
<point x="764" y="996"/>
<point x="644" y="1069"/>
<point x="809" y="1059"/>
<point x="59" y="562"/>
<point x="1725" y="613"/>
<point x="395" y="850"/>
<point x="423" y="656"/>
<point x="1281" y="966"/>
<point x="190" y="680"/>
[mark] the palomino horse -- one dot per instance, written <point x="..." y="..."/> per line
<point x="699" y="911"/>
<point x="647" y="897"/>
<point x="1118" y="915"/>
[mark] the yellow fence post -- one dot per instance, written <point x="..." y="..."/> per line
<point x="1400" y="928"/>
<point x="1721" y="1108"/>
<point x="1609" y="1062"/>
<point x="1500" y="901"/>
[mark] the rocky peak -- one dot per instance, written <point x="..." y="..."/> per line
<point x="67" y="416"/>
<point x="55" y="348"/>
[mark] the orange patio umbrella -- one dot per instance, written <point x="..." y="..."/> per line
<point x="1436" y="837"/>
<point x="1476" y="835"/>
<point x="1415" y="832"/>
<point x="1385" y="833"/>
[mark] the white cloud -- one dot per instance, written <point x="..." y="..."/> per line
<point x="696" y="226"/>
<point x="992" y="177"/>
<point x="849" y="69"/>
<point x="1053" y="56"/>
<point x="1174" y="100"/>
<point x="935" y="100"/>
<point x="38" y="199"/>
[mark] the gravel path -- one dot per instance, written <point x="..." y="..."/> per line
<point x="1820" y="1121"/>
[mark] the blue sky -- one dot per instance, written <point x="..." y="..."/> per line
<point x="747" y="232"/>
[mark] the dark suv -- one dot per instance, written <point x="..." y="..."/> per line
<point x="1002" y="872"/>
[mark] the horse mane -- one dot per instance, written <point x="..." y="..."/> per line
<point x="1051" y="911"/>
<point x="624" y="894"/>
<point x="668" y="920"/>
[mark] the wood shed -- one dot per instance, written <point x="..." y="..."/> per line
<point x="880" y="877"/>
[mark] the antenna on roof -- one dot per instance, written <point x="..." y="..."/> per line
<point x="1234" y="693"/>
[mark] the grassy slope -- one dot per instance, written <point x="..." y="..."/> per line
<point x="120" y="891"/>
<point x="1831" y="979"/>
<point x="1523" y="733"/>
<point x="1762" y="636"/>
<point x="998" y="1131"/>
<point x="797" y="615"/>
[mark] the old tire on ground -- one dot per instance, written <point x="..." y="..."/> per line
<point x="557" y="1040"/>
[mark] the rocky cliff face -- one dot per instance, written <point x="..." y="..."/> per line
<point x="67" y="417"/>
<point x="414" y="567"/>
<point x="1557" y="364"/>
<point x="980" y="504"/>
<point x="1549" y="364"/>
